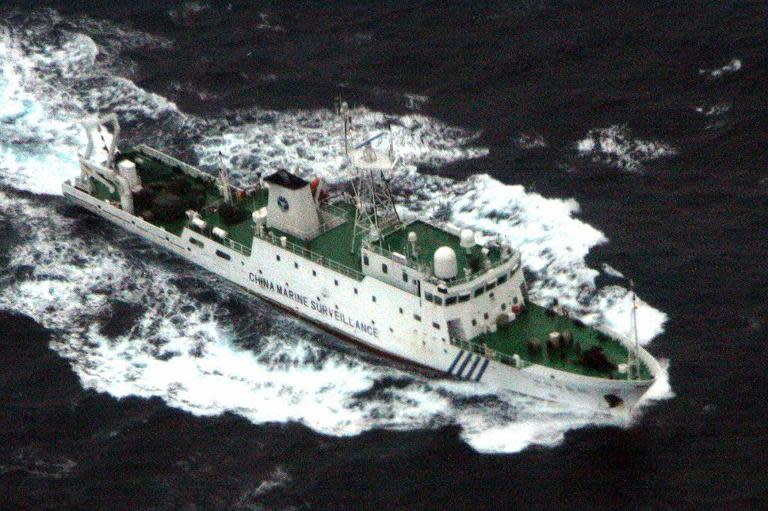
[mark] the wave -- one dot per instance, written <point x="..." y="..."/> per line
<point x="615" y="146"/>
<point x="732" y="66"/>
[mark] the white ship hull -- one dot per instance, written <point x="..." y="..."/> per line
<point x="346" y="306"/>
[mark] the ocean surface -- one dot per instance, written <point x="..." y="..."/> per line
<point x="608" y="141"/>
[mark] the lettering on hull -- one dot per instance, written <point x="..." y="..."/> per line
<point x="335" y="314"/>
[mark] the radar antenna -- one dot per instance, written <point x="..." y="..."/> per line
<point x="375" y="212"/>
<point x="633" y="363"/>
<point x="224" y="186"/>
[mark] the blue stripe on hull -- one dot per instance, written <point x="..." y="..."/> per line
<point x="455" y="361"/>
<point x="463" y="364"/>
<point x="482" y="370"/>
<point x="472" y="370"/>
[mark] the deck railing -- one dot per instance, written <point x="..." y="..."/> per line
<point x="390" y="255"/>
<point x="173" y="162"/>
<point x="491" y="354"/>
<point x="449" y="283"/>
<point x="297" y="249"/>
<point x="237" y="247"/>
<point x="472" y="276"/>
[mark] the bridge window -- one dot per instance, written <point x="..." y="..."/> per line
<point x="314" y="273"/>
<point x="436" y="325"/>
<point x="490" y="286"/>
<point x="384" y="268"/>
<point x="401" y="310"/>
<point x="373" y="298"/>
<point x="503" y="306"/>
<point x="463" y="298"/>
<point x="405" y="277"/>
<point x="296" y="265"/>
<point x="438" y="300"/>
<point x="474" y="322"/>
<point x="502" y="279"/>
<point x="417" y="317"/>
<point x="479" y="291"/>
<point x="451" y="300"/>
<point x="355" y="290"/>
<point x="365" y="260"/>
<point x="223" y="255"/>
<point x="428" y="297"/>
<point x="514" y="300"/>
<point x="277" y="257"/>
<point x="196" y="242"/>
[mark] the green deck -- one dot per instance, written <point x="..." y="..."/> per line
<point x="536" y="323"/>
<point x="430" y="239"/>
<point x="335" y="245"/>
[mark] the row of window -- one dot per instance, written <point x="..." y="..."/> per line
<point x="384" y="267"/>
<point x="453" y="300"/>
<point x="373" y="297"/>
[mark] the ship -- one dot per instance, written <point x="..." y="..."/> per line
<point x="345" y="259"/>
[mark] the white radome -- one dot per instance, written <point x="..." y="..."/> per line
<point x="467" y="238"/>
<point x="446" y="266"/>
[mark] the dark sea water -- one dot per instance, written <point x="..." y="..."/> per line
<point x="652" y="116"/>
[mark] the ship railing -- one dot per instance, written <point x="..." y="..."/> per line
<point x="331" y="216"/>
<point x="237" y="247"/>
<point x="515" y="256"/>
<point x="280" y="241"/>
<point x="188" y="169"/>
<point x="491" y="354"/>
<point x="373" y="247"/>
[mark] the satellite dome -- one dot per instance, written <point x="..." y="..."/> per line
<point x="467" y="238"/>
<point x="446" y="266"/>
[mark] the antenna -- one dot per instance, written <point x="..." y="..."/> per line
<point x="346" y="121"/>
<point x="375" y="212"/>
<point x="632" y="359"/>
<point x="226" y="190"/>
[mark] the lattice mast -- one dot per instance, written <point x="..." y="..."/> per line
<point x="375" y="212"/>
<point x="633" y="360"/>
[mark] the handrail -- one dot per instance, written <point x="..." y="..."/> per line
<point x="173" y="162"/>
<point x="491" y="354"/>
<point x="492" y="266"/>
<point x="451" y="283"/>
<point x="386" y="253"/>
<point x="236" y="246"/>
<point x="312" y="256"/>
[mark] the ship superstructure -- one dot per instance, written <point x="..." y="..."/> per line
<point x="420" y="292"/>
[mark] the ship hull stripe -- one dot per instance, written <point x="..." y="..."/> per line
<point x="474" y="366"/>
<point x="464" y="364"/>
<point x="482" y="370"/>
<point x="455" y="361"/>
